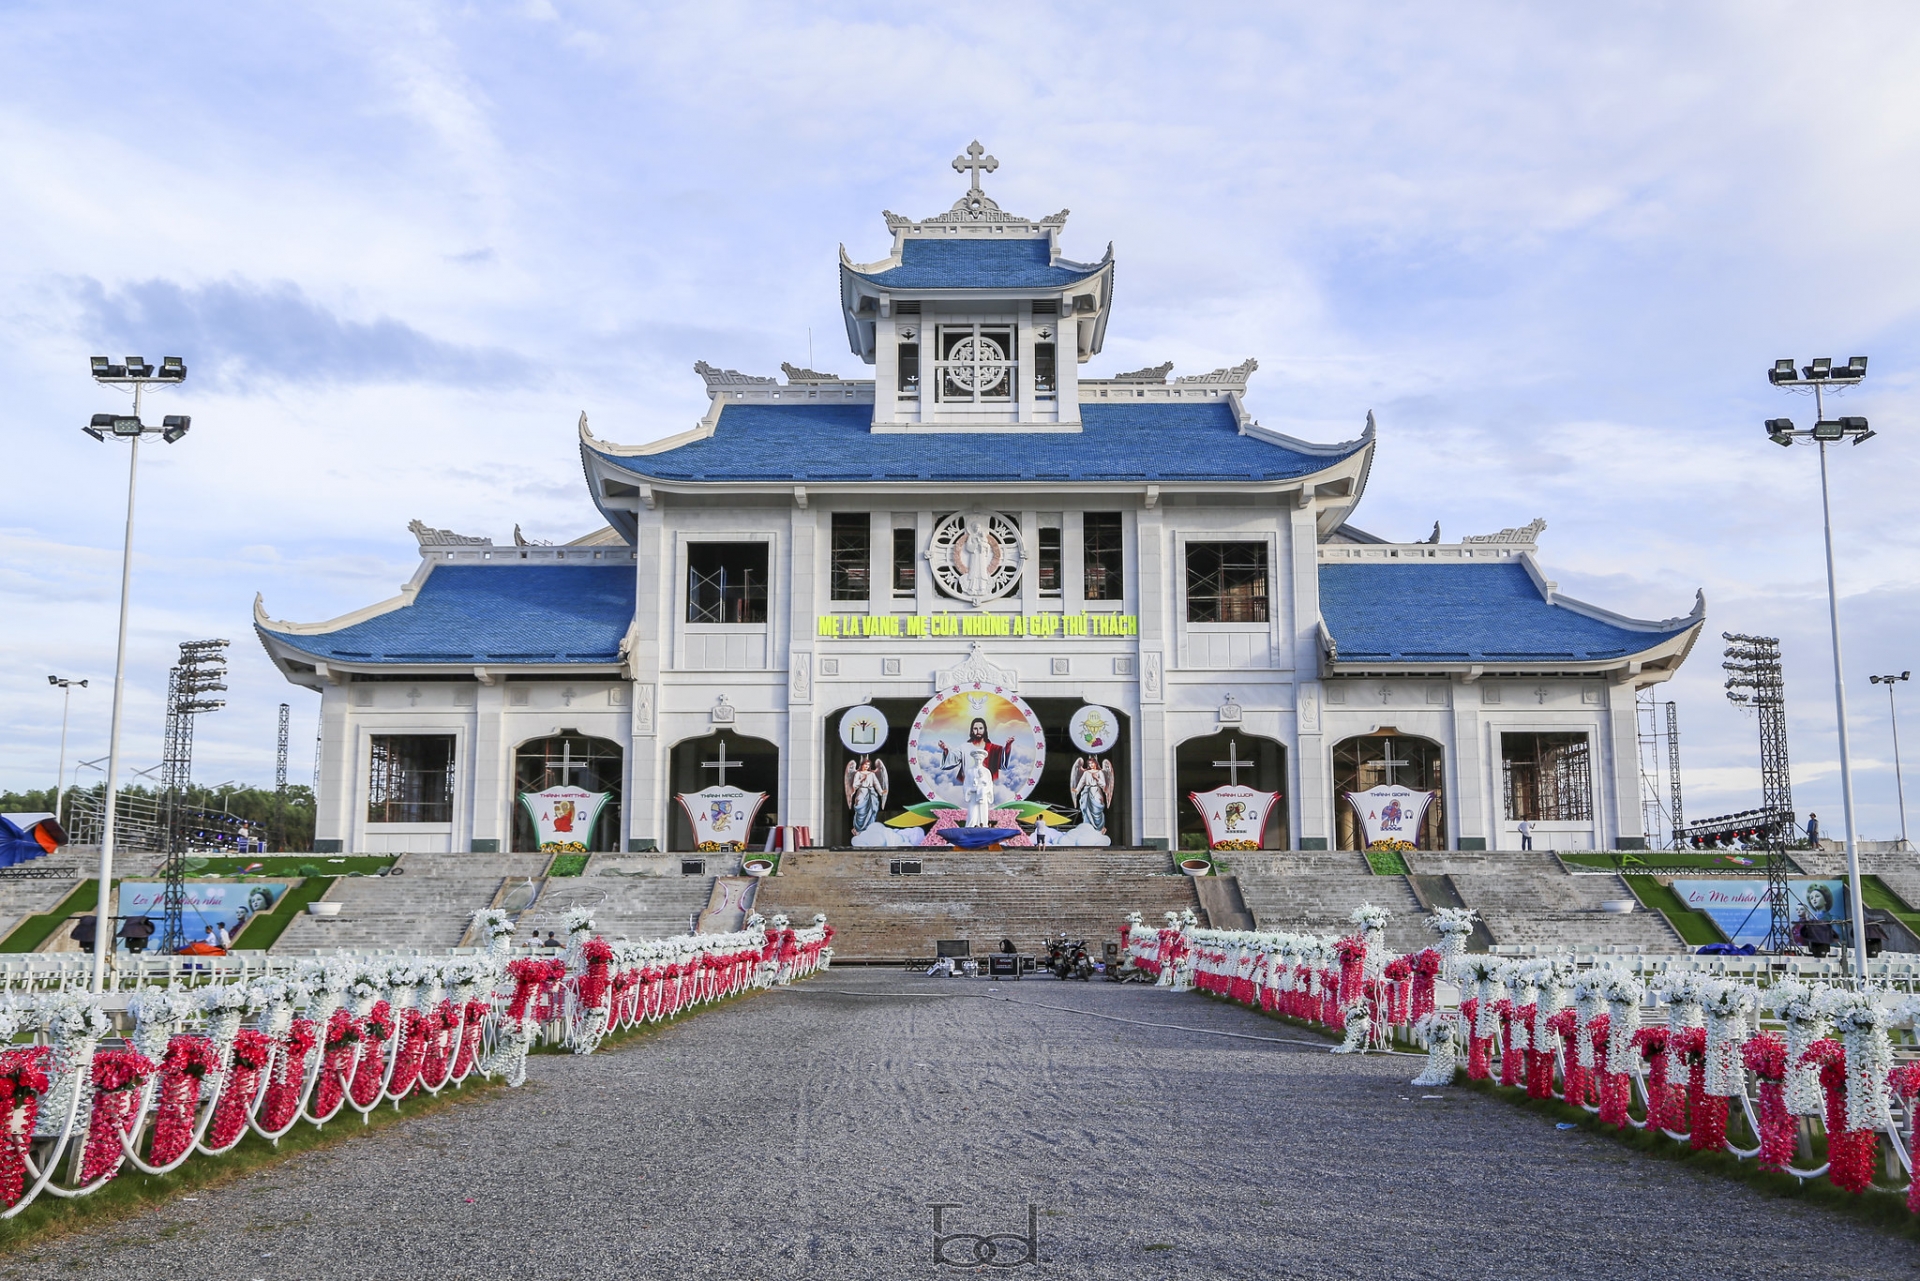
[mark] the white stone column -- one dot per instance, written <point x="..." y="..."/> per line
<point x="334" y="805"/>
<point x="1312" y="764"/>
<point x="1469" y="782"/>
<point x="800" y="752"/>
<point x="656" y="593"/>
<point x="493" y="781"/>
<point x="1617" y="807"/>
<point x="1148" y="592"/>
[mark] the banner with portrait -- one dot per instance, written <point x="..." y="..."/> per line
<point x="1739" y="907"/>
<point x="563" y="817"/>
<point x="1235" y="815"/>
<point x="993" y="717"/>
<point x="721" y="816"/>
<point x="1390" y="812"/>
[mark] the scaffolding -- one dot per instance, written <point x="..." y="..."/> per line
<point x="1754" y="681"/>
<point x="1661" y="814"/>
<point x="201" y="671"/>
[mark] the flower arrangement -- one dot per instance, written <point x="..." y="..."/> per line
<point x="1765" y="1056"/>
<point x="1391" y="845"/>
<point x="117" y="1077"/>
<point x="183" y="1072"/>
<point x="282" y="1102"/>
<point x="1850" y="1152"/>
<point x="23" y="1081"/>
<point x="1440" y="1029"/>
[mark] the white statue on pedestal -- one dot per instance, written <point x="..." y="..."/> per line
<point x="979" y="787"/>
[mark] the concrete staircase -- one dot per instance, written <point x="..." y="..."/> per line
<point x="1313" y="892"/>
<point x="1528" y="898"/>
<point x="427" y="912"/>
<point x="982" y="896"/>
<point x="641" y="907"/>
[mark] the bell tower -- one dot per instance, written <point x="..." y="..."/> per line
<point x="975" y="322"/>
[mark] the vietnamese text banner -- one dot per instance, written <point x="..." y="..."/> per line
<point x="849" y="626"/>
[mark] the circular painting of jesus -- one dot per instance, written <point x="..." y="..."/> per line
<point x="961" y="715"/>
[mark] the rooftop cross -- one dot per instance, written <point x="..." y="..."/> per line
<point x="722" y="764"/>
<point x="979" y="162"/>
<point x="1233" y="764"/>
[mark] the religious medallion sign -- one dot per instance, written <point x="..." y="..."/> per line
<point x="976" y="556"/>
<point x="1094" y="729"/>
<point x="563" y="817"/>
<point x="1235" y="815"/>
<point x="721" y="815"/>
<point x="863" y="730"/>
<point x="1390" y="812"/>
<point x="991" y="716"/>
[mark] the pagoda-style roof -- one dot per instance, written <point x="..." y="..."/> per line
<point x="970" y="262"/>
<point x="1494" y="615"/>
<point x="509" y="613"/>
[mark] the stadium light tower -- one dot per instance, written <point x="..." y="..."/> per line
<point x="137" y="374"/>
<point x="1899" y="788"/>
<point x="1821" y="375"/>
<point x="65" y="687"/>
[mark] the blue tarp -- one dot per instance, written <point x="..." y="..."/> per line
<point x="25" y="836"/>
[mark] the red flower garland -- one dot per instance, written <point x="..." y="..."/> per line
<point x="1905" y="1082"/>
<point x="439" y="1045"/>
<point x="1765" y="1056"/>
<point x="1426" y="965"/>
<point x="1614" y="1088"/>
<point x="1352" y="953"/>
<point x="23" y="1080"/>
<point x="415" y="1030"/>
<point x="1511" y="1061"/>
<point x="1479" y="1048"/>
<point x="1399" y="972"/>
<point x="1539" y="1062"/>
<point x="1665" y="1106"/>
<point x="469" y="1041"/>
<point x="343" y="1040"/>
<point x="1850" y="1153"/>
<point x="370" y="1074"/>
<point x="252" y="1051"/>
<point x="594" y="984"/>
<point x="117" y="1078"/>
<point x="1578" y="1080"/>
<point x="182" y="1071"/>
<point x="1706" y="1113"/>
<point x="289" y="1075"/>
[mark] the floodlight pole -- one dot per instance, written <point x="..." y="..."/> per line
<point x="1893" y="719"/>
<point x="1855" y="902"/>
<point x="102" y="912"/>
<point x="66" y="706"/>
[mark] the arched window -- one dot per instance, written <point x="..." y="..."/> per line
<point x="569" y="760"/>
<point x="1257" y="762"/>
<point x="1373" y="760"/>
<point x="752" y="764"/>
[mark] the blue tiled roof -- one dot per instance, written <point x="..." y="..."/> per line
<point x="488" y="614"/>
<point x="1462" y="613"/>
<point x="970" y="263"/>
<point x="1166" y="441"/>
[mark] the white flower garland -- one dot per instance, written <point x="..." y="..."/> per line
<point x="1440" y="1029"/>
<point x="1359" y="1029"/>
<point x="1454" y="925"/>
<point x="1862" y="1027"/>
<point x="1801" y="1009"/>
<point x="1729" y="1008"/>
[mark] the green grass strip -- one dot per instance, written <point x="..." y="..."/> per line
<point x="568" y="865"/>
<point x="1386" y="862"/>
<point x="264" y="930"/>
<point x="1695" y="927"/>
<point x="37" y="929"/>
<point x="286" y="865"/>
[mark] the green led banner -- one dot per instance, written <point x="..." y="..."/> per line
<point x="895" y="626"/>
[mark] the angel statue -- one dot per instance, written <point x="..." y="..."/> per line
<point x="1091" y="783"/>
<point x="866" y="791"/>
<point x="979" y="787"/>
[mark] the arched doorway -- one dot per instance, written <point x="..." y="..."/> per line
<point x="1389" y="757"/>
<point x="569" y="760"/>
<point x="1055" y="715"/>
<point x="1255" y="761"/>
<point x="749" y="763"/>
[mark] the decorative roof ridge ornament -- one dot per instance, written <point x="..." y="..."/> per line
<point x="1237" y="376"/>
<point x="1151" y="374"/>
<point x="1527" y="534"/>
<point x="976" y="669"/>
<point x="795" y="374"/>
<point x="430" y="537"/>
<point x="730" y="377"/>
<point x="976" y="206"/>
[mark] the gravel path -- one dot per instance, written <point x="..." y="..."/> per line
<point x="803" y="1133"/>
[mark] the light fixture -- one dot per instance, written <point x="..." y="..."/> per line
<point x="173" y="369"/>
<point x="1854" y="371"/>
<point x="137" y="367"/>
<point x="1783" y="372"/>
<point x="1829" y="429"/>
<point x="1780" y="430"/>
<point x="1819" y="369"/>
<point x="174" y="426"/>
<point x="104" y="368"/>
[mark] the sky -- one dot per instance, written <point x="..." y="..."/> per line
<point x="402" y="246"/>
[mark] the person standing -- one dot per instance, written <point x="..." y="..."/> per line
<point x="222" y="939"/>
<point x="1526" y="834"/>
<point x="1813" y="830"/>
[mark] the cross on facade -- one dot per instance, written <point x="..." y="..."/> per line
<point x="566" y="763"/>
<point x="1540" y="694"/>
<point x="978" y="161"/>
<point x="1389" y="763"/>
<point x="1233" y="764"/>
<point x="722" y="764"/>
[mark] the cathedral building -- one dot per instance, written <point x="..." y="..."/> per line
<point x="973" y="515"/>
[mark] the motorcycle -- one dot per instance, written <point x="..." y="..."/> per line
<point x="1068" y="959"/>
